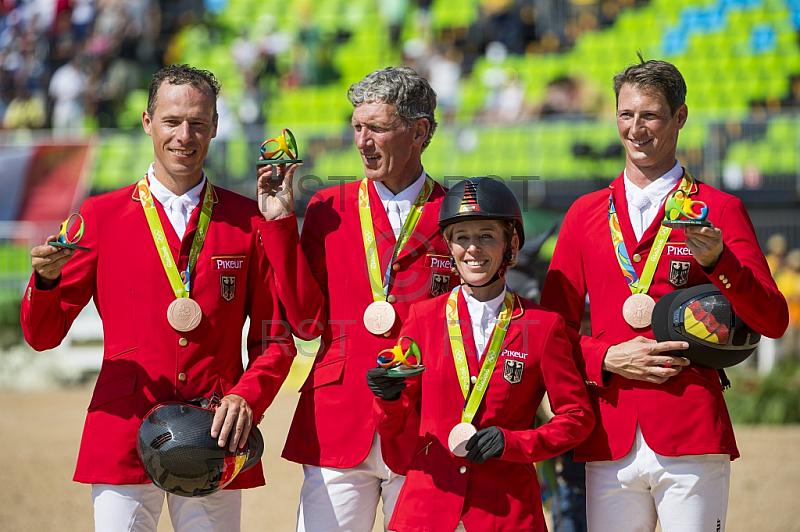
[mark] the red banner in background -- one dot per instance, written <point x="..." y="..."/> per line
<point x="54" y="182"/>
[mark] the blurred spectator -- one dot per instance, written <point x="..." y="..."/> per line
<point x="63" y="41"/>
<point x="81" y="17"/>
<point x="509" y="22"/>
<point x="505" y="96"/>
<point x="443" y="71"/>
<point x="788" y="281"/>
<point x="776" y="253"/>
<point x="26" y="110"/>
<point x="67" y="90"/>
<point x="394" y="14"/>
<point x="506" y="102"/>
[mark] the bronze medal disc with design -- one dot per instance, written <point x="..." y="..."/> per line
<point x="379" y="317"/>
<point x="638" y="310"/>
<point x="184" y="314"/>
<point x="458" y="438"/>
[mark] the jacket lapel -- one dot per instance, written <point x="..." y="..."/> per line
<point x="384" y="234"/>
<point x="172" y="237"/>
<point x="515" y="327"/>
<point x="465" y="322"/>
<point x="428" y="226"/>
<point x="649" y="236"/>
<point x="621" y="205"/>
<point x="194" y="220"/>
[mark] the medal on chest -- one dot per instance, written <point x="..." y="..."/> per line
<point x="184" y="313"/>
<point x="473" y="388"/>
<point x="637" y="310"/>
<point x="380" y="315"/>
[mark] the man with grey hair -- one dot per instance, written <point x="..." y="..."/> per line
<point x="369" y="249"/>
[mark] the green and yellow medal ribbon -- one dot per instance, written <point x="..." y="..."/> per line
<point x="635" y="283"/>
<point x="379" y="285"/>
<point x="474" y="396"/>
<point x="180" y="286"/>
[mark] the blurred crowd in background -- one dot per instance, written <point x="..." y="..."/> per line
<point x="63" y="62"/>
<point x="70" y="64"/>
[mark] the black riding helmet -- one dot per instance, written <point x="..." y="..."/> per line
<point x="483" y="198"/>
<point x="180" y="456"/>
<point x="704" y="318"/>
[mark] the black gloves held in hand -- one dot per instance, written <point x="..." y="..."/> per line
<point x="485" y="444"/>
<point x="383" y="386"/>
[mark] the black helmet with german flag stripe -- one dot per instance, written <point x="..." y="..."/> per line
<point x="481" y="198"/>
<point x="703" y="317"/>
<point x="179" y="455"/>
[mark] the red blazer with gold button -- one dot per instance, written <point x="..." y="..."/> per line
<point x="145" y="361"/>
<point x="687" y="414"/>
<point x="325" y="289"/>
<point x="503" y="493"/>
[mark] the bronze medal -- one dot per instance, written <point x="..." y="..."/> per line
<point x="458" y="438"/>
<point x="379" y="317"/>
<point x="638" y="310"/>
<point x="184" y="314"/>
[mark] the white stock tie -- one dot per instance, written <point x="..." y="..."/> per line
<point x="395" y="218"/>
<point x="178" y="213"/>
<point x="639" y="201"/>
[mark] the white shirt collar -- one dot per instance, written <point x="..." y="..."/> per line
<point x="406" y="197"/>
<point x="167" y="198"/>
<point x="657" y="191"/>
<point x="479" y="309"/>
<point x="483" y="317"/>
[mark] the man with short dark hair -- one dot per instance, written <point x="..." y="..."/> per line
<point x="369" y="249"/>
<point x="663" y="442"/>
<point x="174" y="267"/>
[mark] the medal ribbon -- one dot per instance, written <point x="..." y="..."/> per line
<point x="380" y="286"/>
<point x="474" y="397"/>
<point x="180" y="287"/>
<point x="636" y="284"/>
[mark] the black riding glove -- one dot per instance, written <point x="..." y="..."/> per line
<point x="486" y="443"/>
<point x="383" y="386"/>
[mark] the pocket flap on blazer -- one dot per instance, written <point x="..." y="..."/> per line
<point x="121" y="386"/>
<point x="326" y="373"/>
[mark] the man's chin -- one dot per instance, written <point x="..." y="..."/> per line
<point x="374" y="176"/>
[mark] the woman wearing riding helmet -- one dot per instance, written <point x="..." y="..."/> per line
<point x="489" y="357"/>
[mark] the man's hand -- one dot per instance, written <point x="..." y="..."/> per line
<point x="644" y="359"/>
<point x="486" y="443"/>
<point x="47" y="262"/>
<point x="232" y="422"/>
<point x="383" y="386"/>
<point x="705" y="243"/>
<point x="275" y="194"/>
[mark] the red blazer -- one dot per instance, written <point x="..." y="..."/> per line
<point x="324" y="286"/>
<point x="687" y="414"/>
<point x="145" y="361"/>
<point x="503" y="493"/>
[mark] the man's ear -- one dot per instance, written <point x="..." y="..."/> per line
<point x="682" y="114"/>
<point x="146" y="122"/>
<point x="421" y="131"/>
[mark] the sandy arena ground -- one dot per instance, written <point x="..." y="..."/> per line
<point x="41" y="432"/>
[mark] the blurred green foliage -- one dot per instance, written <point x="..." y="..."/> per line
<point x="772" y="399"/>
